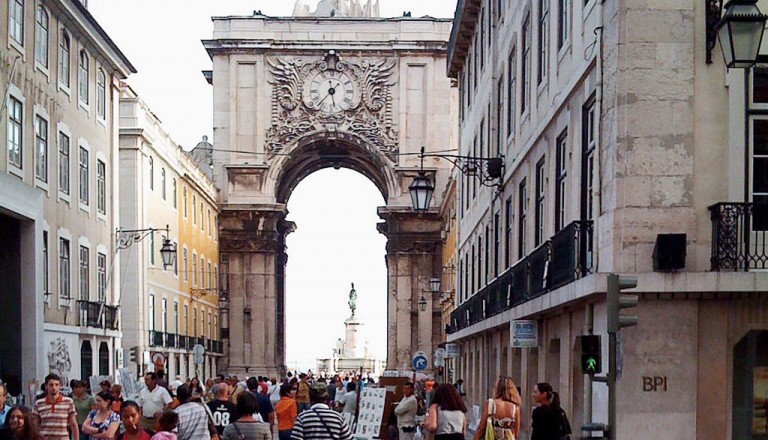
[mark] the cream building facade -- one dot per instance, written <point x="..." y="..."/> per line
<point x="59" y="73"/>
<point x="625" y="152"/>
<point x="166" y="310"/>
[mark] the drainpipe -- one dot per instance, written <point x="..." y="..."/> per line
<point x="589" y="313"/>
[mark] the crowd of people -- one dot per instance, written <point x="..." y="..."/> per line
<point x="257" y="408"/>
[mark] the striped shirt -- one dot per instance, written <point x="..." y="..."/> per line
<point x="193" y="421"/>
<point x="320" y="423"/>
<point x="54" y="417"/>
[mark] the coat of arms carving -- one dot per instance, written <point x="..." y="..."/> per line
<point x="331" y="93"/>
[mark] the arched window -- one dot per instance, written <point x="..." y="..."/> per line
<point x="86" y="359"/>
<point x="101" y="94"/>
<point x="162" y="182"/>
<point x="64" y="58"/>
<point x="103" y="359"/>
<point x="41" y="36"/>
<point x="151" y="173"/>
<point x="82" y="80"/>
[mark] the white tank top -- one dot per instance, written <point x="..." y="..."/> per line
<point x="449" y="422"/>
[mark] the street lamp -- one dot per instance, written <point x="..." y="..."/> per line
<point x="434" y="284"/>
<point x="421" y="188"/>
<point x="422" y="303"/>
<point x="739" y="31"/>
<point x="168" y="252"/>
<point x="124" y="238"/>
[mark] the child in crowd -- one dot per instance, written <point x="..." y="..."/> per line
<point x="167" y="424"/>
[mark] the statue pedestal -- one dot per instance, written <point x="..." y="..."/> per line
<point x="352" y="326"/>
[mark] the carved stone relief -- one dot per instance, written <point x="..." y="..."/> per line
<point x="58" y="359"/>
<point x="331" y="94"/>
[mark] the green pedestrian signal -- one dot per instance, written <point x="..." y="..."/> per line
<point x="591" y="351"/>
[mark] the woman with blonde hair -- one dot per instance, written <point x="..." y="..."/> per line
<point x="502" y="411"/>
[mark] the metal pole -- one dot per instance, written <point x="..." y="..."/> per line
<point x="612" y="385"/>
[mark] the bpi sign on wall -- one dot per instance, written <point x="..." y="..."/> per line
<point x="525" y="334"/>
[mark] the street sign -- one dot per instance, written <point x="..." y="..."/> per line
<point x="525" y="334"/>
<point x="197" y="354"/>
<point x="451" y="350"/>
<point x="420" y="360"/>
<point x="440" y="357"/>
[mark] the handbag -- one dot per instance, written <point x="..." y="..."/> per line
<point x="489" y="434"/>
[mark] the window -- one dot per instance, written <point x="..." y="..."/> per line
<point x="588" y="161"/>
<point x="185" y="266"/>
<point x="202" y="272"/>
<point x="466" y="274"/>
<point x="483" y="143"/>
<point x="64" y="269"/>
<point x="82" y="78"/>
<point x="184" y="200"/>
<point x="541" y="190"/>
<point x="210" y="326"/>
<point x="522" y="192"/>
<point x="215" y="326"/>
<point x="64" y="58"/>
<point x="209" y="222"/>
<point x="101" y="267"/>
<point x="479" y="261"/>
<point x="202" y="219"/>
<point x="194" y="320"/>
<point x="487" y="254"/>
<point x="511" y="103"/>
<point x="561" y="179"/>
<point x="162" y="183"/>
<point x="101" y="186"/>
<point x="563" y="22"/>
<point x="15" y="112"/>
<point x="175" y="194"/>
<point x="85" y="288"/>
<point x="496" y="244"/>
<point x="476" y="74"/>
<point x="759" y="174"/>
<point x="164" y="311"/>
<point x="194" y="212"/>
<point x="186" y="319"/>
<point x="481" y="38"/>
<point x="526" y="67"/>
<point x="202" y="323"/>
<point x="83" y="168"/>
<point x="473" y="274"/>
<point x="194" y="269"/>
<point x="41" y="36"/>
<point x="210" y="277"/>
<point x="41" y="149"/>
<point x="468" y="88"/>
<point x="46" y="285"/>
<point x="543" y="39"/>
<point x="151" y="173"/>
<point x="16" y="20"/>
<point x="101" y="94"/>
<point x="151" y="312"/>
<point x="508" y="230"/>
<point x="499" y="114"/>
<point x="152" y="248"/>
<point x="474" y="153"/>
<point x="63" y="163"/>
<point x="176" y="317"/>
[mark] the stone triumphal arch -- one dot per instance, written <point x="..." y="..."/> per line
<point x="295" y="95"/>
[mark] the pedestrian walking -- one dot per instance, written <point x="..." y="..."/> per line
<point x="167" y="423"/>
<point x="446" y="416"/>
<point x="406" y="412"/>
<point x="302" y="395"/>
<point x="154" y="400"/>
<point x="501" y="413"/>
<point x="130" y="415"/>
<point x="320" y="422"/>
<point x="84" y="404"/>
<point x="4" y="408"/>
<point x="549" y="419"/>
<point x="102" y="422"/>
<point x="195" y="421"/>
<point x="20" y="425"/>
<point x="117" y="393"/>
<point x="265" y="409"/>
<point x="56" y="412"/>
<point x="250" y="425"/>
<point x="286" y="411"/>
<point x="224" y="412"/>
<point x="338" y="397"/>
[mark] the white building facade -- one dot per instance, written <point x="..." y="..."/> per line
<point x="58" y="192"/>
<point x="624" y="152"/>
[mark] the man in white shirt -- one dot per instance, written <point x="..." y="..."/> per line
<point x="175" y="384"/>
<point x="406" y="413"/>
<point x="153" y="400"/>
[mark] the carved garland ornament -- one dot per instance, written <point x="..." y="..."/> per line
<point x="331" y="94"/>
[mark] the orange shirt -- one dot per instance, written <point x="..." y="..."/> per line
<point x="286" y="412"/>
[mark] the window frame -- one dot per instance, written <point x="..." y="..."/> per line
<point x="15" y="133"/>
<point x="83" y="175"/>
<point x="561" y="180"/>
<point x="101" y="94"/>
<point x="84" y="273"/>
<point x="101" y="187"/>
<point x="64" y="164"/>
<point x="65" y="269"/>
<point x="101" y="270"/>
<point x="541" y="195"/>
<point x="16" y="23"/>
<point x="83" y="79"/>
<point x="64" y="61"/>
<point x="42" y="35"/>
<point x="42" y="130"/>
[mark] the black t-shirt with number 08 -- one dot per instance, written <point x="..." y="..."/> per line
<point x="224" y="413"/>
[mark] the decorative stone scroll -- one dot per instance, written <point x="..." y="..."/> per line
<point x="331" y="94"/>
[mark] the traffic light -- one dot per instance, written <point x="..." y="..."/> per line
<point x="440" y="370"/>
<point x="591" y="352"/>
<point x="136" y="355"/>
<point x="618" y="301"/>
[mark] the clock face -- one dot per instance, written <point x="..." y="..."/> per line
<point x="332" y="92"/>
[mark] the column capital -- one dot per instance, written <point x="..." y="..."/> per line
<point x="254" y="228"/>
<point x="410" y="232"/>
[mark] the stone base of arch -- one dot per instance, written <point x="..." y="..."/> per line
<point x="253" y="260"/>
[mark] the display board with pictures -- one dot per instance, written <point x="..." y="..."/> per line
<point x="371" y="412"/>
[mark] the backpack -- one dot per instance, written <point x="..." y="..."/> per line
<point x="564" y="427"/>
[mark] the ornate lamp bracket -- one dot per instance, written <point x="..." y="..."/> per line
<point x="714" y="13"/>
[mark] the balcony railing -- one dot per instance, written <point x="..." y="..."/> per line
<point x="97" y="314"/>
<point x="739" y="236"/>
<point x="170" y="340"/>
<point x="156" y="338"/>
<point x="566" y="257"/>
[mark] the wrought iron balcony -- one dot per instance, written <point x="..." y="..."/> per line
<point x="156" y="338"/>
<point x="739" y="236"/>
<point x="96" y="314"/>
<point x="182" y="342"/>
<point x="566" y="257"/>
<point x="208" y="345"/>
<point x="170" y="340"/>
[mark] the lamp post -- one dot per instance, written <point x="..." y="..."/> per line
<point x="739" y="29"/>
<point x="125" y="238"/>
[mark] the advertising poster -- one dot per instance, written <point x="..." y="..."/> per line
<point x="371" y="412"/>
<point x="760" y="401"/>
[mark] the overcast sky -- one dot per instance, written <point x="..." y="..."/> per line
<point x="336" y="242"/>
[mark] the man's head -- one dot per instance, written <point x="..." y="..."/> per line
<point x="3" y="395"/>
<point x="53" y="385"/>
<point x="221" y="392"/>
<point x="105" y="386"/>
<point x="408" y="389"/>
<point x="252" y="383"/>
<point x="151" y="380"/>
<point x="220" y="378"/>
<point x="318" y="392"/>
<point x="183" y="393"/>
<point x="303" y="377"/>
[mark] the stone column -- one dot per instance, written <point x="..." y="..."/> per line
<point x="253" y="239"/>
<point x="414" y="255"/>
